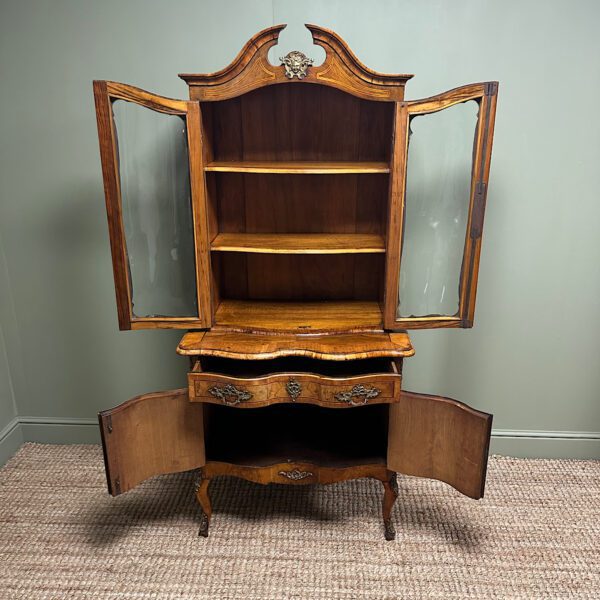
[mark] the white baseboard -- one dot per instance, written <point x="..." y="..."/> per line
<point x="518" y="443"/>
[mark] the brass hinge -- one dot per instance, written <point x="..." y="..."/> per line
<point x="109" y="423"/>
<point x="491" y="88"/>
<point x="117" y="486"/>
<point x="478" y="209"/>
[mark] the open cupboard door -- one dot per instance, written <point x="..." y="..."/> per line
<point x="152" y="167"/>
<point x="441" y="162"/>
<point x="440" y="438"/>
<point x="150" y="435"/>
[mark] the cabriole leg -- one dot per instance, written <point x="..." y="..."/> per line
<point x="389" y="497"/>
<point x="203" y="499"/>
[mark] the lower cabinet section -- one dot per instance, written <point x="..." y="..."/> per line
<point x="421" y="435"/>
<point x="151" y="435"/>
<point x="440" y="438"/>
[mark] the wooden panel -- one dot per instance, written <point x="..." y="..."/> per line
<point x="324" y="347"/>
<point x="298" y="167"/>
<point x="299" y="243"/>
<point x="252" y="69"/>
<point x="151" y="435"/>
<point x="300" y="277"/>
<point x="315" y="317"/>
<point x="300" y="124"/>
<point x="440" y="438"/>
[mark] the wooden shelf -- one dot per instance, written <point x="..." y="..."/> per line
<point x="299" y="317"/>
<point x="299" y="243"/>
<point x="342" y="348"/>
<point x="298" y="167"/>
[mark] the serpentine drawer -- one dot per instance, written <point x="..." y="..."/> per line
<point x="256" y="383"/>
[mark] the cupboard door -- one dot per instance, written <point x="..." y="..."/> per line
<point x="150" y="435"/>
<point x="440" y="438"/>
<point x="152" y="167"/>
<point x="441" y="158"/>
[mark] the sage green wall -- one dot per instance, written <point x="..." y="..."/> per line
<point x="532" y="358"/>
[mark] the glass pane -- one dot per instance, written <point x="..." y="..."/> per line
<point x="438" y="186"/>
<point x="157" y="211"/>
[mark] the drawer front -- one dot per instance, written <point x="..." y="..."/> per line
<point x="332" y="392"/>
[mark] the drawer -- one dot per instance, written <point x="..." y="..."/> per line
<point x="333" y="384"/>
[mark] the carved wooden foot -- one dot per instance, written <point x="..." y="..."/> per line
<point x="389" y="497"/>
<point x="203" y="499"/>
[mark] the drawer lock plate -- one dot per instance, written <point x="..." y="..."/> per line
<point x="293" y="389"/>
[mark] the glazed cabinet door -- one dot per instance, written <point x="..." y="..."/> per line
<point x="151" y="435"/>
<point x="441" y="159"/>
<point x="439" y="438"/>
<point x="151" y="151"/>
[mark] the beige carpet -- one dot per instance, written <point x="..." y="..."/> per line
<point x="535" y="535"/>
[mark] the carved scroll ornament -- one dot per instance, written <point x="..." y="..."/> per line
<point x="296" y="64"/>
<point x="358" y="395"/>
<point x="229" y="394"/>
<point x="296" y="474"/>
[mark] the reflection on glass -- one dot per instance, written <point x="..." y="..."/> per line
<point x="438" y="185"/>
<point x="157" y="210"/>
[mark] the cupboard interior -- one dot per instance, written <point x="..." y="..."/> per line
<point x="296" y="433"/>
<point x="323" y="233"/>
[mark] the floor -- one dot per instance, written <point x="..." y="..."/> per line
<point x="535" y="535"/>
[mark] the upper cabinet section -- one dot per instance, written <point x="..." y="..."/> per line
<point x="251" y="69"/>
<point x="295" y="198"/>
<point x="441" y="160"/>
<point x="150" y="159"/>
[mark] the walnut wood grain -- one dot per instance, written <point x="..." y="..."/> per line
<point x="299" y="243"/>
<point x="440" y="438"/>
<point x="311" y="388"/>
<point x="325" y="347"/>
<point x="150" y="435"/>
<point x="314" y="473"/>
<point x="298" y="167"/>
<point x="251" y="69"/>
<point x="300" y="317"/>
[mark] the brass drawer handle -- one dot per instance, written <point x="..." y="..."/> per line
<point x="361" y="392"/>
<point x="229" y="394"/>
<point x="293" y="389"/>
<point x="296" y="474"/>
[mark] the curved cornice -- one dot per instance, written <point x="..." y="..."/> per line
<point x="251" y="69"/>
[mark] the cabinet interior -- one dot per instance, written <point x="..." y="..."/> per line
<point x="296" y="433"/>
<point x="297" y="184"/>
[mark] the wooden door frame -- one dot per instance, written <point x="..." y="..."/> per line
<point x="485" y="94"/>
<point x="105" y="92"/>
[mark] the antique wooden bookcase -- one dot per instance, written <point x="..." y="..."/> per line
<point x="281" y="217"/>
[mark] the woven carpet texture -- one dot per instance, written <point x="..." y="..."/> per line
<point x="536" y="534"/>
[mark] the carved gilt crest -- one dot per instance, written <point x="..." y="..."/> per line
<point x="296" y="64"/>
